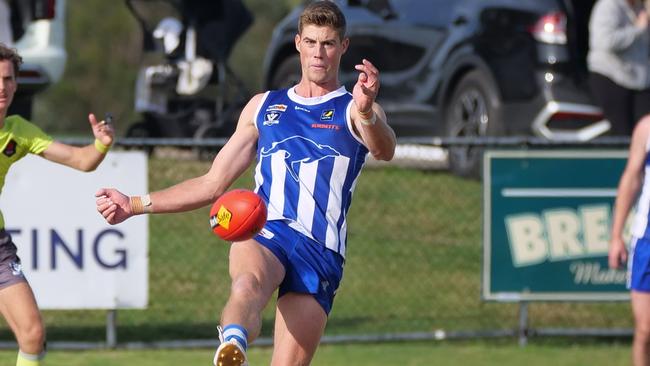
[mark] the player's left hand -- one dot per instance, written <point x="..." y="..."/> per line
<point x="367" y="87"/>
<point x="617" y="256"/>
<point x="114" y="205"/>
<point x="103" y="131"/>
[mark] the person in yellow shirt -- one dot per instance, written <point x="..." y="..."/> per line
<point x="19" y="137"/>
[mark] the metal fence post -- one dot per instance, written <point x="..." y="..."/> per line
<point x="111" y="328"/>
<point x="523" y="323"/>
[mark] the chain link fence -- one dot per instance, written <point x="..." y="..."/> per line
<point x="413" y="268"/>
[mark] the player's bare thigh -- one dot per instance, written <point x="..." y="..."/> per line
<point x="299" y="324"/>
<point x="18" y="307"/>
<point x="249" y="257"/>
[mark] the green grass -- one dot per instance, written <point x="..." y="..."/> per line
<point x="414" y="265"/>
<point x="403" y="354"/>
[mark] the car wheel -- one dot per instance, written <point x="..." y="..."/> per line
<point x="287" y="74"/>
<point x="207" y="153"/>
<point x="225" y="130"/>
<point x="142" y="130"/>
<point x="474" y="110"/>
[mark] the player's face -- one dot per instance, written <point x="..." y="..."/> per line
<point x="320" y="51"/>
<point x="7" y="85"/>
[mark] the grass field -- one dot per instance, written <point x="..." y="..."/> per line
<point x="414" y="265"/>
<point x="402" y="354"/>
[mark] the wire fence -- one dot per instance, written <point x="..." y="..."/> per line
<point x="413" y="270"/>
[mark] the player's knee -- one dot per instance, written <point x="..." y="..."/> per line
<point x="32" y="337"/>
<point x="642" y="332"/>
<point x="245" y="286"/>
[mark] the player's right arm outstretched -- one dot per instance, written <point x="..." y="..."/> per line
<point x="233" y="159"/>
<point x="628" y="188"/>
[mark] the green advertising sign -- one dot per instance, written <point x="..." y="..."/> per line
<point x="546" y="222"/>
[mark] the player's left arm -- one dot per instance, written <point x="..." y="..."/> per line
<point x="627" y="192"/>
<point x="368" y="118"/>
<point x="84" y="158"/>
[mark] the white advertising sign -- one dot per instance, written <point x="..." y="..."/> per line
<point x="72" y="258"/>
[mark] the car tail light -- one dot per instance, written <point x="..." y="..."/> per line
<point x="29" y="74"/>
<point x="550" y="28"/>
<point x="573" y="121"/>
<point x="591" y="117"/>
<point x="44" y="9"/>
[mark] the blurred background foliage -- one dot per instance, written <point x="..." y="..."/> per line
<point x="104" y="45"/>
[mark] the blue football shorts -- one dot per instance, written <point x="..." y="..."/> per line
<point x="638" y="270"/>
<point x="310" y="267"/>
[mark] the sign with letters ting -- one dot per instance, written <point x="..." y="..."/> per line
<point x="71" y="257"/>
<point x="547" y="218"/>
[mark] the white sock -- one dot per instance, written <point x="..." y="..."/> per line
<point x="236" y="332"/>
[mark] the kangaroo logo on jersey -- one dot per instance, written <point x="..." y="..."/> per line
<point x="10" y="149"/>
<point x="315" y="152"/>
<point x="271" y="118"/>
<point x="327" y="115"/>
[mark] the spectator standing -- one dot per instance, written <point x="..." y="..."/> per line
<point x="619" y="62"/>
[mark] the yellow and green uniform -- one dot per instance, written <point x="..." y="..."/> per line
<point x="18" y="137"/>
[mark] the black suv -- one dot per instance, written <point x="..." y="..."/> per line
<point x="465" y="68"/>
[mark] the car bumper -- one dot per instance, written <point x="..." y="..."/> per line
<point x="562" y="110"/>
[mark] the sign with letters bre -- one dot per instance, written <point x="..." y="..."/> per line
<point x="547" y="217"/>
<point x="72" y="258"/>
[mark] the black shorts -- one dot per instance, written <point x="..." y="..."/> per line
<point x="11" y="271"/>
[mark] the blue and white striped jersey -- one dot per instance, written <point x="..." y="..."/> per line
<point x="308" y="162"/>
<point x="640" y="227"/>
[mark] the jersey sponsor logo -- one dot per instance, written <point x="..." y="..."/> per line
<point x="277" y="108"/>
<point x="316" y="152"/>
<point x="299" y="108"/>
<point x="327" y="115"/>
<point x="10" y="149"/>
<point x="267" y="233"/>
<point x="271" y="118"/>
<point x="325" y="126"/>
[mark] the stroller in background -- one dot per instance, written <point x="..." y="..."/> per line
<point x="185" y="87"/>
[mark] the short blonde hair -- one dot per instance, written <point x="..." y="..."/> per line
<point x="323" y="14"/>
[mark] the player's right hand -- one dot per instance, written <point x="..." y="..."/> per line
<point x="103" y="131"/>
<point x="617" y="253"/>
<point x="113" y="205"/>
